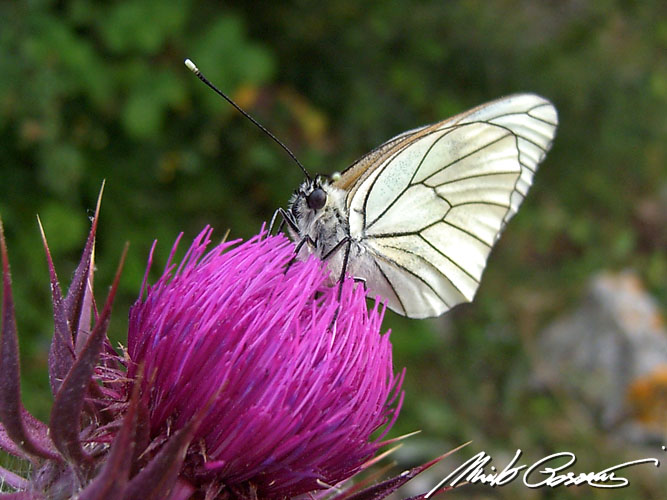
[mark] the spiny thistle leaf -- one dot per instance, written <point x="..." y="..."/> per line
<point x="111" y="481"/>
<point x="66" y="411"/>
<point x="11" y="408"/>
<point x="161" y="475"/>
<point x="385" y="488"/>
<point x="61" y="355"/>
<point x="156" y="479"/>
<point x="23" y="495"/>
<point x="79" y="296"/>
<point x="15" y="481"/>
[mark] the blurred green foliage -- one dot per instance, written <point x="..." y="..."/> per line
<point x="97" y="90"/>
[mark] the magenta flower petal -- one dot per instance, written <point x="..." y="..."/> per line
<point x="296" y="404"/>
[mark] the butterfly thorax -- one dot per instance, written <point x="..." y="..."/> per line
<point x="324" y="226"/>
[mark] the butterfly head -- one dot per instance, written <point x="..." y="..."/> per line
<point x="317" y="206"/>
<point x="312" y="196"/>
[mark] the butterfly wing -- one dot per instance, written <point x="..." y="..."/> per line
<point x="429" y="204"/>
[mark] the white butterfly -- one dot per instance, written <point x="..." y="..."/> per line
<point x="416" y="218"/>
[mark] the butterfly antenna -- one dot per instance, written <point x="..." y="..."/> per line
<point x="192" y="67"/>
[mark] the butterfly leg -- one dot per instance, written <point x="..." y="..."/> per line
<point x="304" y="240"/>
<point x="343" y="270"/>
<point x="347" y="241"/>
<point x="297" y="249"/>
<point x="273" y="221"/>
<point x="287" y="217"/>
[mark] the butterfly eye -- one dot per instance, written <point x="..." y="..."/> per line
<point x="317" y="199"/>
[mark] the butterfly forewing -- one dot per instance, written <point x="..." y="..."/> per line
<point x="429" y="204"/>
<point x="349" y="178"/>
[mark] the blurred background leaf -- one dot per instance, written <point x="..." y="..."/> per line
<point x="92" y="91"/>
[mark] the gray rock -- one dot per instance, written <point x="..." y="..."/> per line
<point x="615" y="341"/>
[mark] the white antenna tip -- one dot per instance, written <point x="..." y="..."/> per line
<point x="191" y="66"/>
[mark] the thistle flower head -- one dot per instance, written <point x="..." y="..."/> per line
<point x="245" y="376"/>
<point x="295" y="401"/>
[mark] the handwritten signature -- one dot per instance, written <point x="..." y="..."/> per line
<point x="473" y="471"/>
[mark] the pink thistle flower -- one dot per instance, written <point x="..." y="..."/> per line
<point x="294" y="403"/>
<point x="234" y="384"/>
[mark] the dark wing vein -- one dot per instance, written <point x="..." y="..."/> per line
<point x="388" y="162"/>
<point x="537" y="117"/>
<point x="545" y="151"/>
<point x="445" y="167"/>
<point x="411" y="183"/>
<point x="391" y="285"/>
<point x="527" y="112"/>
<point x="449" y="259"/>
<point x="479" y="202"/>
<point x="488" y="174"/>
<point x="429" y="264"/>
<point x="464" y="231"/>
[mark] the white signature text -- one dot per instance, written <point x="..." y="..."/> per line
<point x="549" y="471"/>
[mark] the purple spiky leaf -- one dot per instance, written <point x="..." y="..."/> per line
<point x="142" y="432"/>
<point x="68" y="404"/>
<point x="380" y="490"/>
<point x="111" y="481"/>
<point x="85" y="317"/>
<point x="11" y="409"/>
<point x="79" y="299"/>
<point x="182" y="490"/>
<point x="373" y="477"/>
<point x="424" y="496"/>
<point x="35" y="428"/>
<point x="158" y="477"/>
<point x="9" y="446"/>
<point x="12" y="480"/>
<point x="22" y="495"/>
<point x="39" y="431"/>
<point x="388" y="486"/>
<point x="61" y="354"/>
